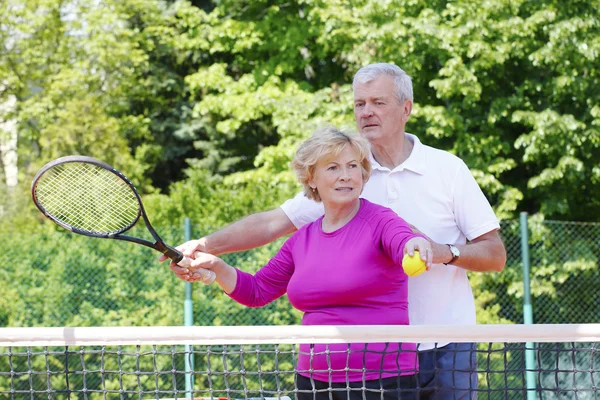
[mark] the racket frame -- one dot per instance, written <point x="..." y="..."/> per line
<point x="158" y="244"/>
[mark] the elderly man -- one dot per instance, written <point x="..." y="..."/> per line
<point x="431" y="189"/>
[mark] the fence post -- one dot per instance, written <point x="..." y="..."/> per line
<point x="188" y="320"/>
<point x="527" y="310"/>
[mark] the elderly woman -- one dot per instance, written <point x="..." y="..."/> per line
<point x="343" y="269"/>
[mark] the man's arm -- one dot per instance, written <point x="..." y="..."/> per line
<point x="248" y="233"/>
<point x="485" y="253"/>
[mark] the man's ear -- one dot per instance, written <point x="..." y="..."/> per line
<point x="407" y="108"/>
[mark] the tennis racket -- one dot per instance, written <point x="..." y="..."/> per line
<point x="91" y="198"/>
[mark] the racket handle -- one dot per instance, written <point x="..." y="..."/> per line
<point x="206" y="275"/>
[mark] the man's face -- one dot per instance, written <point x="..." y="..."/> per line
<point x="378" y="114"/>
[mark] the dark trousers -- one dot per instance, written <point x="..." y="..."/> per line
<point x="448" y="373"/>
<point x="397" y="388"/>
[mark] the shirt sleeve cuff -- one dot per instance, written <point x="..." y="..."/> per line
<point x="238" y="284"/>
<point x="474" y="234"/>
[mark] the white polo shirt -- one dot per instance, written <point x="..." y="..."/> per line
<point x="435" y="191"/>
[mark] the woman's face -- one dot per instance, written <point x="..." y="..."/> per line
<point x="338" y="179"/>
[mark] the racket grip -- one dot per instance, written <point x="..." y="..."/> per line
<point x="206" y="275"/>
<point x="209" y="277"/>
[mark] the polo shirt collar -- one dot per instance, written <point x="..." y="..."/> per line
<point x="415" y="162"/>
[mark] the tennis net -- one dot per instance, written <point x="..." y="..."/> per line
<point x="513" y="361"/>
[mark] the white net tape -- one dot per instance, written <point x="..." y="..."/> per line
<point x="513" y="361"/>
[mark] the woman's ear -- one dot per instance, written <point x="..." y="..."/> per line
<point x="311" y="183"/>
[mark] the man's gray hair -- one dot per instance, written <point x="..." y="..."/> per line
<point x="404" y="90"/>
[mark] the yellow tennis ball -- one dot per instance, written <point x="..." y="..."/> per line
<point x="413" y="266"/>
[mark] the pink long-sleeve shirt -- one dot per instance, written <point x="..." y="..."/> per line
<point x="352" y="276"/>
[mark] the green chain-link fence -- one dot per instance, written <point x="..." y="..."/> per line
<point x="563" y="258"/>
<point x="60" y="279"/>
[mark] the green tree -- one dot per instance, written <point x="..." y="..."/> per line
<point x="490" y="81"/>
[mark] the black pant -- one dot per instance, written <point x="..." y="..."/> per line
<point x="398" y="388"/>
<point x="449" y="372"/>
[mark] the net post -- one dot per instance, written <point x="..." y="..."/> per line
<point x="188" y="320"/>
<point x="527" y="309"/>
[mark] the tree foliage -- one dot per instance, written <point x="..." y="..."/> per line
<point x="509" y="87"/>
<point x="228" y="88"/>
<point x="202" y="104"/>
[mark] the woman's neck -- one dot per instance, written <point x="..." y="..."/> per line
<point x="336" y="216"/>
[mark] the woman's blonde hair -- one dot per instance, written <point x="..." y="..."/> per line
<point x="327" y="142"/>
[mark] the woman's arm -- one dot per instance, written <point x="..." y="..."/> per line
<point x="251" y="290"/>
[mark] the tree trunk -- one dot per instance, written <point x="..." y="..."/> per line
<point x="8" y="142"/>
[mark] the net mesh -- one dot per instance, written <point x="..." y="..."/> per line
<point x="87" y="197"/>
<point x="262" y="362"/>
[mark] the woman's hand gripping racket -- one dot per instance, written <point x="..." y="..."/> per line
<point x="91" y="198"/>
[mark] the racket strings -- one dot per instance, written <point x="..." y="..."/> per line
<point x="87" y="197"/>
<point x="110" y="214"/>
